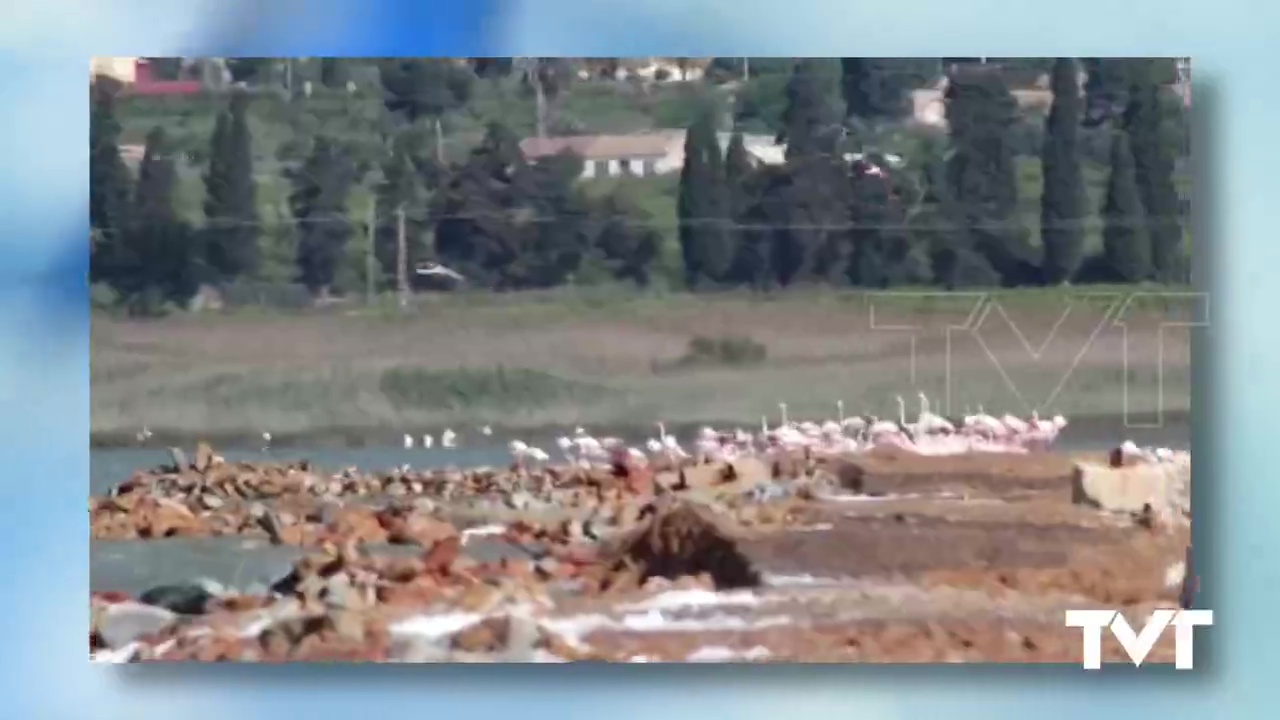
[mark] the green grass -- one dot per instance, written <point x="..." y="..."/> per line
<point x="536" y="360"/>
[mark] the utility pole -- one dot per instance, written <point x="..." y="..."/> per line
<point x="533" y="71"/>
<point x="402" y="259"/>
<point x="439" y="142"/>
<point x="371" y="232"/>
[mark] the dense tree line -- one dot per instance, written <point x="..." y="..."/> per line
<point x="838" y="211"/>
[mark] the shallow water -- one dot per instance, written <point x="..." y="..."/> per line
<point x="138" y="565"/>
<point x="110" y="466"/>
<point x="133" y="566"/>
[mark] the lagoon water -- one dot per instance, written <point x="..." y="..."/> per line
<point x="238" y="562"/>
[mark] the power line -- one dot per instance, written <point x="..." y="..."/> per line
<point x="517" y="218"/>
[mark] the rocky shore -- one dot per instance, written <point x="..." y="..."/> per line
<point x="879" y="557"/>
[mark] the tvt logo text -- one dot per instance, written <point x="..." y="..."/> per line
<point x="1138" y="645"/>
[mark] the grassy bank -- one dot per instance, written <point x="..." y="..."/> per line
<point x="561" y="358"/>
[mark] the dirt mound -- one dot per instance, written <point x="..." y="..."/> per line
<point x="682" y="539"/>
<point x="892" y="470"/>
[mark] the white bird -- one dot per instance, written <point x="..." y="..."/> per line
<point x="266" y="441"/>
<point x="408" y="440"/>
<point x="538" y="455"/>
<point x="840" y="411"/>
<point x="882" y="427"/>
<point x="854" y="424"/>
<point x="653" y="446"/>
<point x="1015" y="424"/>
<point x="428" y="441"/>
<point x="486" y="431"/>
<point x="448" y="438"/>
<point x="782" y="408"/>
<point x="144" y="434"/>
<point x="517" y="448"/>
<point x="437" y="269"/>
<point x="903" y="425"/>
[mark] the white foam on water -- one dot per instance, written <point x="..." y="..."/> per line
<point x="672" y="599"/>
<point x="482" y="531"/>
<point x="576" y="627"/>
<point x="119" y="655"/>
<point x="719" y="653"/>
<point x="435" y="625"/>
<point x="801" y="580"/>
<point x="850" y="497"/>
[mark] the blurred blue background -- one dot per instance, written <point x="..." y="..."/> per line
<point x="44" y="350"/>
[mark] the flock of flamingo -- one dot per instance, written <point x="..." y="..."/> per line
<point x="929" y="434"/>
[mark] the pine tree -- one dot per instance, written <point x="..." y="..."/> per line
<point x="109" y="185"/>
<point x="1125" y="241"/>
<point x="1154" y="164"/>
<point x="230" y="208"/>
<point x="702" y="205"/>
<point x="1063" y="209"/>
<point x="319" y="204"/>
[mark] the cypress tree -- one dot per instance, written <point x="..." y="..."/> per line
<point x="230" y="209"/>
<point x="702" y="206"/>
<point x="811" y="121"/>
<point x="738" y="177"/>
<point x="982" y="173"/>
<point x="1106" y="88"/>
<point x="319" y="204"/>
<point x="109" y="185"/>
<point x="167" y="259"/>
<point x="1125" y="242"/>
<point x="877" y="88"/>
<point x="1062" y="206"/>
<point x="1154" y="164"/>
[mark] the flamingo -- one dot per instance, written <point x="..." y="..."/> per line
<point x="882" y="427"/>
<point x="1015" y="424"/>
<point x="903" y="425"/>
<point x="672" y="447"/>
<point x="567" y="449"/>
